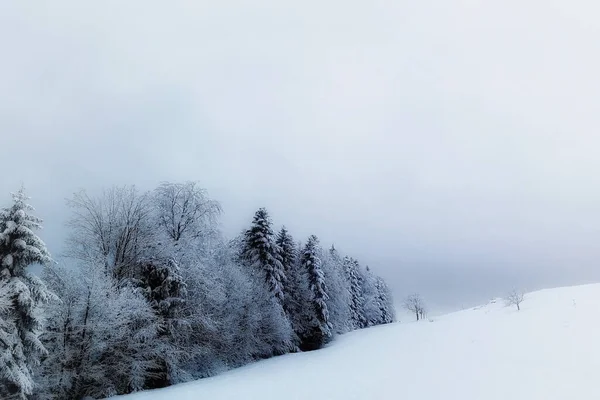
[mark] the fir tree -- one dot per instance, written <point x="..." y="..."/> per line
<point x="20" y="323"/>
<point x="321" y="330"/>
<point x="296" y="286"/>
<point x="288" y="255"/>
<point x="357" y="300"/>
<point x="384" y="300"/>
<point x="287" y="247"/>
<point x="372" y="307"/>
<point x="163" y="287"/>
<point x="338" y="291"/>
<point x="261" y="251"/>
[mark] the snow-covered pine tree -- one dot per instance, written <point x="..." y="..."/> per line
<point x="357" y="300"/>
<point x="165" y="290"/>
<point x="338" y="290"/>
<point x="163" y="287"/>
<point x="261" y="251"/>
<point x="321" y="330"/>
<point x="287" y="247"/>
<point x="21" y="323"/>
<point x="102" y="336"/>
<point x="288" y="256"/>
<point x="385" y="302"/>
<point x="296" y="285"/>
<point x="372" y="308"/>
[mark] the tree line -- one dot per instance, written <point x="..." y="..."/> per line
<point x="152" y="294"/>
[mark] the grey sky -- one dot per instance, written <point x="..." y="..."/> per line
<point x="452" y="145"/>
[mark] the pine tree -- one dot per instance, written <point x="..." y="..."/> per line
<point x="21" y="323"/>
<point x="288" y="256"/>
<point x="357" y="301"/>
<point x="165" y="290"/>
<point x="296" y="285"/>
<point x="372" y="308"/>
<point x="384" y="300"/>
<point x="321" y="330"/>
<point x="163" y="287"/>
<point x="261" y="251"/>
<point x="287" y="247"/>
<point x="338" y="291"/>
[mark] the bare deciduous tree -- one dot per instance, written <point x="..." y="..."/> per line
<point x="184" y="208"/>
<point x="414" y="303"/>
<point x="112" y="229"/>
<point x="515" y="298"/>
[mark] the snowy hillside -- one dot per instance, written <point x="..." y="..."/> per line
<point x="549" y="350"/>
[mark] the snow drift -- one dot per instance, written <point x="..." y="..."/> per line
<point x="549" y="350"/>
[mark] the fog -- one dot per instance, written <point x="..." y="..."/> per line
<point x="450" y="145"/>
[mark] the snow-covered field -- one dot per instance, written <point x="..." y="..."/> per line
<point x="549" y="350"/>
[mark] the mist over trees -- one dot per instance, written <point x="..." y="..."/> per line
<point x="152" y="294"/>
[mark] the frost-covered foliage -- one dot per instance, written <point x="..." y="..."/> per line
<point x="231" y="317"/>
<point x="371" y="305"/>
<point x="288" y="256"/>
<point x="296" y="284"/>
<point x="385" y="302"/>
<point x="262" y="253"/>
<point x="415" y="304"/>
<point x="357" y="298"/>
<point x="163" y="287"/>
<point x="113" y="230"/>
<point x="185" y="209"/>
<point x="22" y="295"/>
<point x="338" y="291"/>
<point x="157" y="296"/>
<point x="320" y="329"/>
<point x="103" y="338"/>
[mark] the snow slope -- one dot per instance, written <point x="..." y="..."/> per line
<point x="549" y="350"/>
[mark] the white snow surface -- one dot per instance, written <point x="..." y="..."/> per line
<point x="549" y="350"/>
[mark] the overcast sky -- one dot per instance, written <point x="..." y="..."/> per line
<point x="451" y="145"/>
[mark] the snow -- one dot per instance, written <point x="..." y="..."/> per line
<point x="7" y="261"/>
<point x="549" y="350"/>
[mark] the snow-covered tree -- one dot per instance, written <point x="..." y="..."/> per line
<point x="385" y="302"/>
<point x="415" y="304"/>
<point x="184" y="209"/>
<point x="372" y="307"/>
<point x="233" y="319"/>
<point x="261" y="251"/>
<point x="163" y="287"/>
<point x="515" y="298"/>
<point x="357" y="300"/>
<point x="338" y="291"/>
<point x="287" y="249"/>
<point x="289" y="258"/>
<point x="23" y="294"/>
<point x="112" y="230"/>
<point x="103" y="337"/>
<point x="320" y="327"/>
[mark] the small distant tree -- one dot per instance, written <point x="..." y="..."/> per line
<point x="415" y="304"/>
<point x="515" y="298"/>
